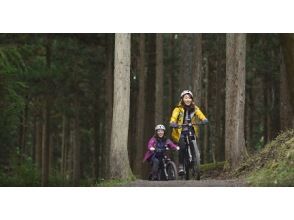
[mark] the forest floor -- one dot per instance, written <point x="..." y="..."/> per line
<point x="211" y="178"/>
<point x="189" y="183"/>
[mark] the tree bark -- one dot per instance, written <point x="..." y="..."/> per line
<point x="170" y="74"/>
<point x="76" y="145"/>
<point x="140" y="121"/>
<point x="38" y="146"/>
<point x="235" y="98"/>
<point x="197" y="69"/>
<point x="64" y="144"/>
<point x="204" y="149"/>
<point x="286" y="110"/>
<point x="186" y="61"/>
<point x="46" y="119"/>
<point x="108" y="104"/>
<point x="119" y="161"/>
<point x="159" y="80"/>
<point x="23" y="129"/>
<point x="220" y="97"/>
<point x="288" y="52"/>
<point x="45" y="143"/>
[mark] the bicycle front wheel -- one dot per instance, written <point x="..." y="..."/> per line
<point x="196" y="164"/>
<point x="171" y="170"/>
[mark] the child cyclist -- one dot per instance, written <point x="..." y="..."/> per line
<point x="185" y="112"/>
<point x="160" y="141"/>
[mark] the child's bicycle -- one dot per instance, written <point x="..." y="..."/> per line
<point x="167" y="169"/>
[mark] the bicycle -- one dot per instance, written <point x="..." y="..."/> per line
<point x="191" y="158"/>
<point x="167" y="169"/>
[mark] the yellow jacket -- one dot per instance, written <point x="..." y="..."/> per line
<point x="178" y="117"/>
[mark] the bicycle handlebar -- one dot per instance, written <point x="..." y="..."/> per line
<point x="191" y="124"/>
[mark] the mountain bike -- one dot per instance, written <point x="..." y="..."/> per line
<point x="191" y="164"/>
<point x="167" y="169"/>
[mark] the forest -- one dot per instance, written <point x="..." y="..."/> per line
<point x="79" y="109"/>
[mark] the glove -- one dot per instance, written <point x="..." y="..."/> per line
<point x="174" y="125"/>
<point x="205" y="121"/>
<point x="178" y="148"/>
<point x="152" y="148"/>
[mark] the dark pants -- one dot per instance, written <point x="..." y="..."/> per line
<point x="155" y="165"/>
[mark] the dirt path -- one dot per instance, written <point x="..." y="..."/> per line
<point x="189" y="183"/>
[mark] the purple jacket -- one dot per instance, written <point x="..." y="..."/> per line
<point x="152" y="143"/>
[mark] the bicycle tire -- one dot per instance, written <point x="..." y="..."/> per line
<point x="171" y="170"/>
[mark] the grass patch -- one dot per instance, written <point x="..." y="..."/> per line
<point x="212" y="166"/>
<point x="273" y="165"/>
<point x="114" y="182"/>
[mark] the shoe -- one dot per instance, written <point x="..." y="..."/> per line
<point x="181" y="170"/>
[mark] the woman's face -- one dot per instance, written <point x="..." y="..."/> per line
<point x="160" y="133"/>
<point x="187" y="100"/>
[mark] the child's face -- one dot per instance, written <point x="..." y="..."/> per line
<point x="160" y="133"/>
<point x="187" y="100"/>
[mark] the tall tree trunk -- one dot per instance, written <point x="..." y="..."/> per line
<point x="23" y="129"/>
<point x="159" y="80"/>
<point x="204" y="149"/>
<point x="38" y="146"/>
<point x="170" y="74"/>
<point x="64" y="144"/>
<point x="38" y="137"/>
<point x="186" y="59"/>
<point x="220" y="97"/>
<point x="108" y="104"/>
<point x="46" y="119"/>
<point x="119" y="161"/>
<point x="288" y="52"/>
<point x="76" y="145"/>
<point x="235" y="98"/>
<point x="267" y="103"/>
<point x="45" y="143"/>
<point x="150" y="91"/>
<point x="96" y="163"/>
<point x="286" y="110"/>
<point x="51" y="152"/>
<point x="140" y="121"/>
<point x="197" y="73"/>
<point x="212" y="111"/>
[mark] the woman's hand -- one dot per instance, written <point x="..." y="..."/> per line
<point x="174" y="125"/>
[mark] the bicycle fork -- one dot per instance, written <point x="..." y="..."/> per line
<point x="164" y="169"/>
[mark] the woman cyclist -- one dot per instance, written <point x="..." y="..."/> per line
<point x="185" y="112"/>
